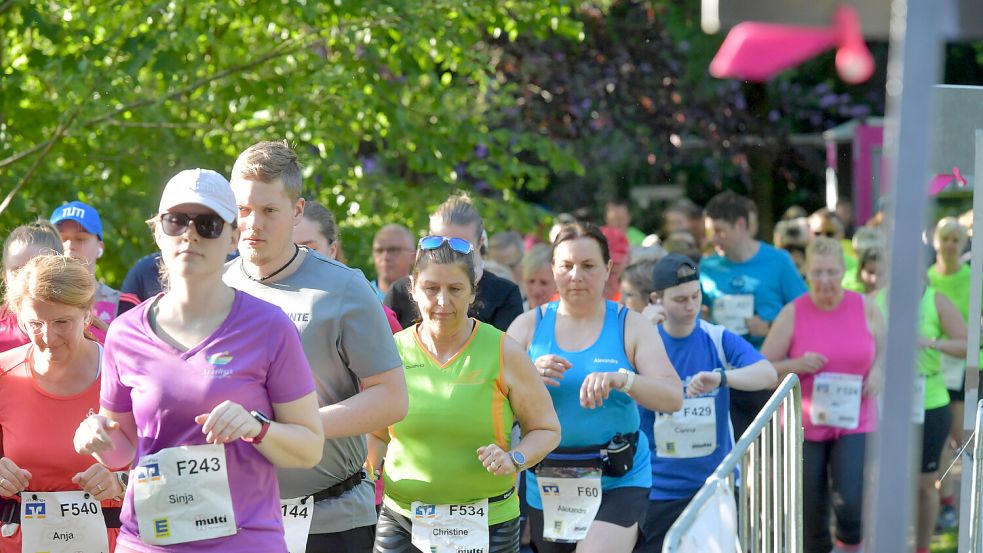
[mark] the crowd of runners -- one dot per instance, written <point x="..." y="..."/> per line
<point x="248" y="391"/>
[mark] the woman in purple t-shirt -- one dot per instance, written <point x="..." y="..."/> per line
<point x="204" y="390"/>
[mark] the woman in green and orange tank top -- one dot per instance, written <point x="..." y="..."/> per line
<point x="450" y="465"/>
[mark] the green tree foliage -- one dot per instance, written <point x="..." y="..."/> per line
<point x="392" y="106"/>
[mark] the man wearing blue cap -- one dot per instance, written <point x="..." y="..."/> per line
<point x="81" y="235"/>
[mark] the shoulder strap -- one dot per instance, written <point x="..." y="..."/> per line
<point x="622" y="322"/>
<point x="716" y="333"/>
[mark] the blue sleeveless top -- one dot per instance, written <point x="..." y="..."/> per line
<point x="589" y="427"/>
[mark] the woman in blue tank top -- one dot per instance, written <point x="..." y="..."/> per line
<point x="597" y="361"/>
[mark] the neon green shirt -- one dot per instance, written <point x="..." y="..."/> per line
<point x="455" y="408"/>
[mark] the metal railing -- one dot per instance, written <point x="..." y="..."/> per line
<point x="975" y="516"/>
<point x="769" y="489"/>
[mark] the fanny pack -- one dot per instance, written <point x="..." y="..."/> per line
<point x="10" y="513"/>
<point x="615" y="458"/>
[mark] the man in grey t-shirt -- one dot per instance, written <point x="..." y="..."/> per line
<point x="349" y="345"/>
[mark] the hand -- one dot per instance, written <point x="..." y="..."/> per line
<point x="94" y="435"/>
<point x="13" y="479"/>
<point x="874" y="381"/>
<point x="756" y="326"/>
<point x="810" y="363"/>
<point x="551" y="368"/>
<point x="496" y="460"/>
<point x="597" y="387"/>
<point x="655" y="313"/>
<point x="924" y="342"/>
<point x="228" y="422"/>
<point x="702" y="383"/>
<point x="99" y="482"/>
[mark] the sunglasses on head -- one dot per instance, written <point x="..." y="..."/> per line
<point x="208" y="225"/>
<point x="459" y="245"/>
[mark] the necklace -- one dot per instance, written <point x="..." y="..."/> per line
<point x="274" y="273"/>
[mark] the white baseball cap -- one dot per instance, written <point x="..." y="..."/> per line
<point x="202" y="187"/>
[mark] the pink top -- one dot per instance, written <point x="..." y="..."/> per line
<point x="842" y="336"/>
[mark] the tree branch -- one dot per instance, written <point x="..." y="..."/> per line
<point x="281" y="50"/>
<point x="37" y="162"/>
<point x="21" y="155"/>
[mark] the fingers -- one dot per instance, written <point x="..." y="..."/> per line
<point x="13" y="479"/>
<point x="495" y="460"/>
<point x="227" y="422"/>
<point x="596" y="389"/>
<point x="94" y="435"/>
<point x="551" y="368"/>
<point x="98" y="482"/>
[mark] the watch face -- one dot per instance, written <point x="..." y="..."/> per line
<point x="261" y="417"/>
<point x="518" y="458"/>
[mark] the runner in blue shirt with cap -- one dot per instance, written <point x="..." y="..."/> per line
<point x="688" y="445"/>
<point x="81" y="235"/>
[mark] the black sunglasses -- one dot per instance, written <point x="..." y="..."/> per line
<point x="208" y="225"/>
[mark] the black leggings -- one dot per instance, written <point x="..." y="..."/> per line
<point x="835" y="466"/>
<point x="394" y="534"/>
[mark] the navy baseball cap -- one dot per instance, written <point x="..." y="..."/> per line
<point x="81" y="213"/>
<point x="673" y="270"/>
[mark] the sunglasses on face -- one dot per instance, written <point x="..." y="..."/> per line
<point x="208" y="225"/>
<point x="459" y="245"/>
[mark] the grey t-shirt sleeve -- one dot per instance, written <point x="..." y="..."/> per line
<point x="365" y="341"/>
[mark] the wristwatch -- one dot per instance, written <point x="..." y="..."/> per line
<point x="518" y="459"/>
<point x="264" y="422"/>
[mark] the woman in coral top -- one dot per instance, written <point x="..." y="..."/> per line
<point x="52" y="498"/>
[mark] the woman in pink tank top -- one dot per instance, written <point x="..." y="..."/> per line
<point x="829" y="338"/>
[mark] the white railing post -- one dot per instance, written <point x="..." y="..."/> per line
<point x="975" y="516"/>
<point x="769" y="495"/>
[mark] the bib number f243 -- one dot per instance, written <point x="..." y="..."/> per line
<point x="181" y="494"/>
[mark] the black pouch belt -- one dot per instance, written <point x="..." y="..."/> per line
<point x="341" y="487"/>
<point x="10" y="513"/>
<point x="595" y="456"/>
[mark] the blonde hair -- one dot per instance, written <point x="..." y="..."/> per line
<point x="271" y="161"/>
<point x="948" y="226"/>
<point x="824" y="245"/>
<point x="54" y="278"/>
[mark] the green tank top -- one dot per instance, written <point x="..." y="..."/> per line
<point x="454" y="409"/>
<point x="956" y="287"/>
<point x="928" y="362"/>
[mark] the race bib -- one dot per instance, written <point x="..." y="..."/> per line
<point x="297" y="516"/>
<point x="953" y="371"/>
<point x="731" y="310"/>
<point x="689" y="432"/>
<point x="918" y="402"/>
<point x="569" y="503"/>
<point x="450" y="528"/>
<point x="836" y="400"/>
<point x="181" y="494"/>
<point x="62" y="522"/>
